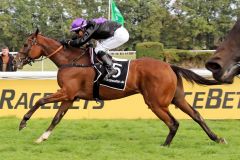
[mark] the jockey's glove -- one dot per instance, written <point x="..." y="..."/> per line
<point x="65" y="42"/>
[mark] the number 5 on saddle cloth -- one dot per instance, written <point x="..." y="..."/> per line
<point x="117" y="81"/>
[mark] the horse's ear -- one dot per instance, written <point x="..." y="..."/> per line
<point x="37" y="31"/>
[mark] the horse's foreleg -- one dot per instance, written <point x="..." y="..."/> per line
<point x="59" y="115"/>
<point x="56" y="97"/>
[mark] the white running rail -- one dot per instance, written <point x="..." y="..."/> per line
<point x="53" y="74"/>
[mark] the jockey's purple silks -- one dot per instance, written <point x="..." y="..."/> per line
<point x="99" y="20"/>
<point x="78" y="23"/>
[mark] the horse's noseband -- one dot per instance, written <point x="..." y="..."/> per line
<point x="26" y="60"/>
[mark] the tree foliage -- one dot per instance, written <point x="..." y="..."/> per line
<point x="184" y="24"/>
<point x="200" y="23"/>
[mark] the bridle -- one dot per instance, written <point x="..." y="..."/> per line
<point x="28" y="60"/>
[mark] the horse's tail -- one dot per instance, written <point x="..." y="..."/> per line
<point x="192" y="77"/>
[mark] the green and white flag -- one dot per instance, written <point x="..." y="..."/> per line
<point x="116" y="14"/>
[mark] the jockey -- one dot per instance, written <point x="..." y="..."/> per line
<point x="109" y="35"/>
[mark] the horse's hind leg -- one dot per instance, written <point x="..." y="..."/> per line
<point x="160" y="107"/>
<point x="169" y="120"/>
<point x="181" y="103"/>
<point x="59" y="115"/>
<point x="56" y="97"/>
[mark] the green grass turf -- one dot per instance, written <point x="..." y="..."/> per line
<point x="117" y="140"/>
<point x="48" y="65"/>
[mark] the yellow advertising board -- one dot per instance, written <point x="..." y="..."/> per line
<point x="213" y="102"/>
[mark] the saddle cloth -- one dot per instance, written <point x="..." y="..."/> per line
<point x="117" y="81"/>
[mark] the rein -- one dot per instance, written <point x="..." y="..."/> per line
<point x="30" y="60"/>
<point x="50" y="55"/>
<point x="76" y="65"/>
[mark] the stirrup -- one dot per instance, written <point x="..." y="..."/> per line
<point x="110" y="73"/>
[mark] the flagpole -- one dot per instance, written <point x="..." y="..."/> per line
<point x="109" y="10"/>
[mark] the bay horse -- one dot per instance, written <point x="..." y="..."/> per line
<point x="225" y="63"/>
<point x="160" y="84"/>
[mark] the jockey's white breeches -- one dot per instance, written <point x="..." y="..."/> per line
<point x="120" y="37"/>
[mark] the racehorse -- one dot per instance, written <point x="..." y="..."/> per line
<point x="158" y="82"/>
<point x="225" y="63"/>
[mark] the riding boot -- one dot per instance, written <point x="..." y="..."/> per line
<point x="107" y="63"/>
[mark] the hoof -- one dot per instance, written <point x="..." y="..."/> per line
<point x="165" y="145"/>
<point x="22" y="125"/>
<point x="40" y="140"/>
<point x="222" y="141"/>
<point x="43" y="137"/>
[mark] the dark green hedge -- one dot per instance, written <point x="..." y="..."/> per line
<point x="187" y="58"/>
<point x="150" y="49"/>
<point x="178" y="57"/>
